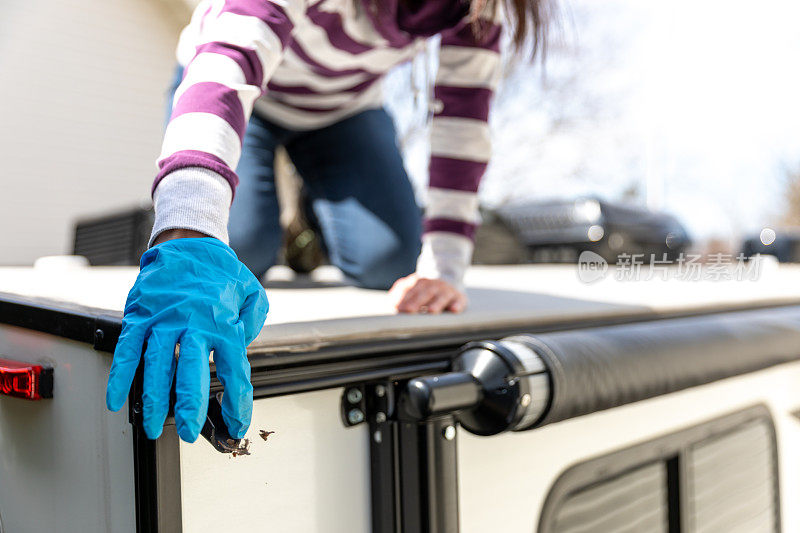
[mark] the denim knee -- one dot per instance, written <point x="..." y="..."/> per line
<point x="258" y="250"/>
<point x="385" y="266"/>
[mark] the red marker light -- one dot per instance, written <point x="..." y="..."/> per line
<point x="25" y="380"/>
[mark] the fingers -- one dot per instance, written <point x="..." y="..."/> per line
<point x="159" y="369"/>
<point x="459" y="304"/>
<point x="424" y="293"/>
<point x="416" y="297"/>
<point x="123" y="368"/>
<point x="431" y="296"/>
<point x="440" y="301"/>
<point x="233" y="370"/>
<point x="192" y="381"/>
<point x="253" y="313"/>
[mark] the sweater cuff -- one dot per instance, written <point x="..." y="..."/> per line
<point x="445" y="256"/>
<point x="194" y="198"/>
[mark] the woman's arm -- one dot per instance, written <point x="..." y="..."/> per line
<point x="460" y="149"/>
<point x="469" y="68"/>
<point x="237" y="45"/>
<point x="193" y="294"/>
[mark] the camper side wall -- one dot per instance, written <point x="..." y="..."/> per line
<point x="67" y="462"/>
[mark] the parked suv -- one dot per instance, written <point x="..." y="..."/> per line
<point x="559" y="230"/>
<point x="784" y="244"/>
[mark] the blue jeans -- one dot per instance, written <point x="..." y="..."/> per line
<point x="358" y="189"/>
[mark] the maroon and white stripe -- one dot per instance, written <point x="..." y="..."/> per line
<point x="456" y="174"/>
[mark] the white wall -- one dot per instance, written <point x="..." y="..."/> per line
<point x="81" y="110"/>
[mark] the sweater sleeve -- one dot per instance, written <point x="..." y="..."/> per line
<point x="460" y="147"/>
<point x="233" y="46"/>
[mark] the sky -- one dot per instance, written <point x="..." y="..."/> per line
<point x="689" y="107"/>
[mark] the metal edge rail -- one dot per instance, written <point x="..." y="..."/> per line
<point x="284" y="371"/>
<point x="99" y="328"/>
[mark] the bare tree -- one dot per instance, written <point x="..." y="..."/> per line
<point x="791" y="213"/>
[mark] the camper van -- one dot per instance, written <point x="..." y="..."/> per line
<point x="553" y="404"/>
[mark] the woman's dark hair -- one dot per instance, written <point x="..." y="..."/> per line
<point x="528" y="21"/>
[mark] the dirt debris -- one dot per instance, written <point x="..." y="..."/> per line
<point x="264" y="434"/>
<point x="238" y="447"/>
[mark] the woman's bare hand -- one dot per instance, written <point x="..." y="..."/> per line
<point x="413" y="294"/>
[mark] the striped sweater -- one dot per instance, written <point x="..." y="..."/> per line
<point x="306" y="64"/>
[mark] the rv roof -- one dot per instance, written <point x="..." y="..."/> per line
<point x="312" y="314"/>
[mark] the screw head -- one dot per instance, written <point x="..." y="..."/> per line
<point x="380" y="391"/>
<point x="525" y="401"/>
<point x="355" y="416"/>
<point x="449" y="432"/>
<point x="377" y="436"/>
<point x="354" y="395"/>
<point x="380" y="418"/>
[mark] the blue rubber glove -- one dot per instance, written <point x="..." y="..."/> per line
<point x="192" y="292"/>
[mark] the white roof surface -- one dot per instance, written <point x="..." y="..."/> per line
<point x="500" y="297"/>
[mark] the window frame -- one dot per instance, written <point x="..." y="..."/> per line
<point x="670" y="449"/>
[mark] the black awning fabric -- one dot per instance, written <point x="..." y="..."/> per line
<point x="600" y="368"/>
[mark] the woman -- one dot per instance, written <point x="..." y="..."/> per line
<point x="304" y="74"/>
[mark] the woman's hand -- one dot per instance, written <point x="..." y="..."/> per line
<point x="414" y="294"/>
<point x="195" y="294"/>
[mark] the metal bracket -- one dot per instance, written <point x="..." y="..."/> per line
<point x="216" y="432"/>
<point x="413" y="429"/>
<point x="383" y="453"/>
<point x="353" y="406"/>
<point x="413" y="465"/>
